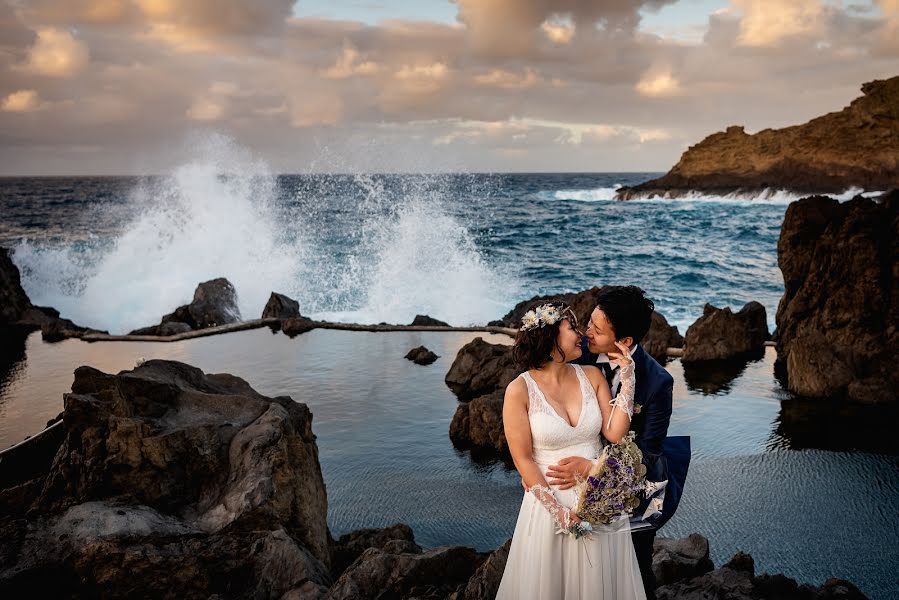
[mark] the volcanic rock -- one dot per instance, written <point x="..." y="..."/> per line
<point x="674" y="559"/>
<point x="297" y="325"/>
<point x="484" y="584"/>
<point x="428" y="321"/>
<point x="351" y="545"/>
<point x="481" y="368"/>
<point x="478" y="425"/>
<point x="854" y="147"/>
<point x="720" y="334"/>
<point x="837" y="333"/>
<point x="421" y="356"/>
<point x="214" y="303"/>
<point x="280" y="306"/>
<point x="169" y="479"/>
<point x="660" y="337"/>
<point x="380" y="573"/>
<point x="13" y="299"/>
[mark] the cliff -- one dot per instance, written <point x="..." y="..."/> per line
<point x="855" y="147"/>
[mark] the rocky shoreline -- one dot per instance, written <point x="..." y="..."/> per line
<point x="170" y="482"/>
<point x="852" y="148"/>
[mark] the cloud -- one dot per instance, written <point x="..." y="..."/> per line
<point x="57" y="53"/>
<point x="658" y="84"/>
<point x="558" y="31"/>
<point x="769" y="22"/>
<point x="508" y="27"/>
<point x="205" y="109"/>
<point x="21" y="102"/>
<point x="350" y="64"/>
<point x="508" y="80"/>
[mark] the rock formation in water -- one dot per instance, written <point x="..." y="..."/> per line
<point x="421" y="356"/>
<point x="19" y="317"/>
<point x="857" y="147"/>
<point x="481" y="368"/>
<point x="214" y="303"/>
<point x="838" y="321"/>
<point x="721" y="335"/>
<point x="280" y="306"/>
<point x="660" y="337"/>
<point x="425" y="320"/>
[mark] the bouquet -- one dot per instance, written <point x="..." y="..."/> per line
<point x="613" y="486"/>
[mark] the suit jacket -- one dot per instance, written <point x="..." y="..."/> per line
<point x="653" y="394"/>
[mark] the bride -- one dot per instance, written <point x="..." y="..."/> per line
<point x="551" y="411"/>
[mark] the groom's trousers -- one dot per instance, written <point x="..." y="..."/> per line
<point x="643" y="541"/>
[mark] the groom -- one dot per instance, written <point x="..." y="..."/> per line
<point x="624" y="313"/>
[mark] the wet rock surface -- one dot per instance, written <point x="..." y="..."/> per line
<point x="838" y="321"/>
<point x="421" y="356"/>
<point x="280" y="306"/>
<point x="723" y="335"/>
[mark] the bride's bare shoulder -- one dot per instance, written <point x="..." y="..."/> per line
<point x="593" y="374"/>
<point x="517" y="390"/>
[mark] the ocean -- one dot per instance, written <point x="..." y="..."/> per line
<point x="118" y="253"/>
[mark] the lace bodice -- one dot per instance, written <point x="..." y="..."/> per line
<point x="552" y="437"/>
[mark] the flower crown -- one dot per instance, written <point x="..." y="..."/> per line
<point x="545" y="314"/>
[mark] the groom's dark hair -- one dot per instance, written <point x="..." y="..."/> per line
<point x="628" y="310"/>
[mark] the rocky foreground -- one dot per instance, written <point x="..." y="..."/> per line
<point x="172" y="483"/>
<point x="856" y="147"/>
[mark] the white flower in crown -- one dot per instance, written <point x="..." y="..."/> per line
<point x="545" y="314"/>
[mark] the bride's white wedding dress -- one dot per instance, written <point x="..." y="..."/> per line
<point x="545" y="565"/>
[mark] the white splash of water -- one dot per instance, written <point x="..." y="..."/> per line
<point x="768" y="196"/>
<point x="194" y="225"/>
<point x="219" y="216"/>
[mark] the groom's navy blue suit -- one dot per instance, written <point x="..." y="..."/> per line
<point x="653" y="394"/>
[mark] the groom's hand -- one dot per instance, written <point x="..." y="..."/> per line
<point x="568" y="471"/>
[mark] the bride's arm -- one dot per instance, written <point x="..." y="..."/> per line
<point x="616" y="416"/>
<point x="518" y="436"/>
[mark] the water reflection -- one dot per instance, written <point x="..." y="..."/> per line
<point x="12" y="364"/>
<point x="835" y="425"/>
<point x="715" y="377"/>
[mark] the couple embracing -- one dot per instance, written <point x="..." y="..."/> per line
<point x="581" y="395"/>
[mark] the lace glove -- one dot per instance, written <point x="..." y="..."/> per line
<point x="625" y="398"/>
<point x="560" y="514"/>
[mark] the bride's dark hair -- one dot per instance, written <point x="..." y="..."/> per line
<point x="533" y="347"/>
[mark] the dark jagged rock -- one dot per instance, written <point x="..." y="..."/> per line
<point x="674" y="559"/>
<point x="17" y="312"/>
<point x="280" y="306"/>
<point x="214" y="303"/>
<point x="433" y="574"/>
<point x="421" y="356"/>
<point x="425" y="320"/>
<point x="484" y="584"/>
<point x="855" y="147"/>
<point x="660" y="337"/>
<point x="180" y="315"/>
<point x="172" y="328"/>
<point x="478" y="425"/>
<point x="171" y="479"/>
<point x="296" y="326"/>
<point x="722" y="335"/>
<point x="13" y="299"/>
<point x="737" y="581"/>
<point x="481" y="368"/>
<point x="350" y="546"/>
<point x="838" y="321"/>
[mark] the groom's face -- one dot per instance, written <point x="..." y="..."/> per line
<point x="600" y="335"/>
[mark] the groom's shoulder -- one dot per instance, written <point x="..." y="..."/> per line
<point x="655" y="370"/>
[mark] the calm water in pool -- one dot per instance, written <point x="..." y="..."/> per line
<point x="382" y="425"/>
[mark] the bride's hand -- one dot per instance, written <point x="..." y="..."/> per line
<point x="623" y="358"/>
<point x="567" y="471"/>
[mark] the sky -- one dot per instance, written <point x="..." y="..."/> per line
<point x="105" y="87"/>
